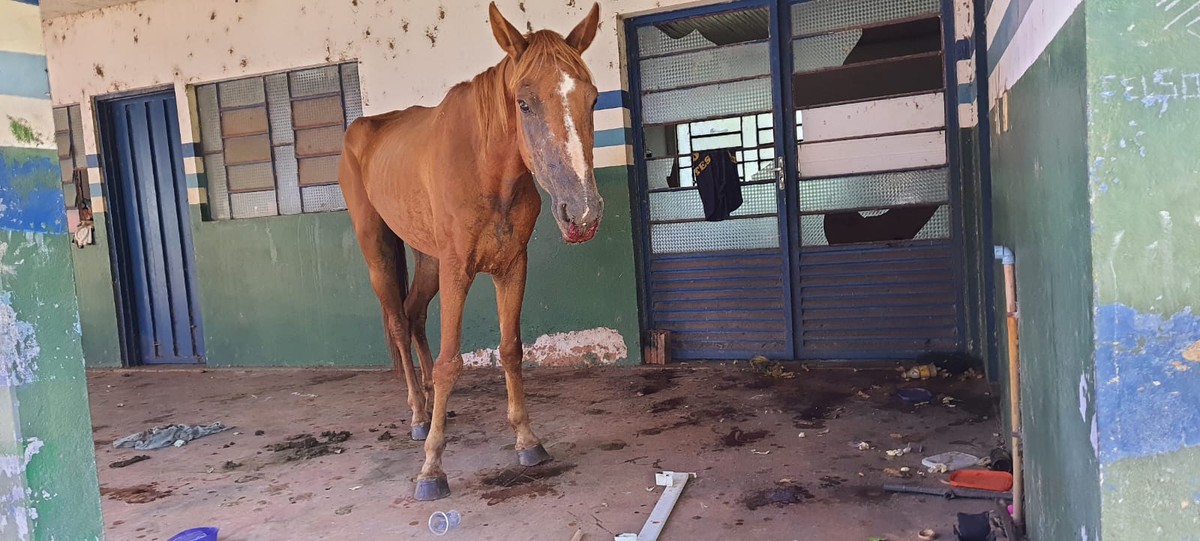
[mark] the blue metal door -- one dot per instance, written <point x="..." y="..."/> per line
<point x="847" y="243"/>
<point x="151" y="227"/>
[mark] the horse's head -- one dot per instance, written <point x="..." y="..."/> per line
<point x="553" y="98"/>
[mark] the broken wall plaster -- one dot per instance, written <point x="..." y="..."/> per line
<point x="19" y="349"/>
<point x="600" y="346"/>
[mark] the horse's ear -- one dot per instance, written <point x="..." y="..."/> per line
<point x="581" y="37"/>
<point x="506" y="34"/>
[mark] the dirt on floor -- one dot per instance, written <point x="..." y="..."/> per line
<point x="326" y="455"/>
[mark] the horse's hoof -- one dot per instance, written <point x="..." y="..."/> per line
<point x="533" y="456"/>
<point x="420" y="432"/>
<point x="432" y="489"/>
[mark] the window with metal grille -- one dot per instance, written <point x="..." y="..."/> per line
<point x="72" y="159"/>
<point x="271" y="144"/>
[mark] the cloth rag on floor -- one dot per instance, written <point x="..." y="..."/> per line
<point x="167" y="436"/>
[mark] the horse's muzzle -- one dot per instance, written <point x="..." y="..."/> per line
<point x="577" y="234"/>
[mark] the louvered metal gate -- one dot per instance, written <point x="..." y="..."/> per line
<point x="846" y="243"/>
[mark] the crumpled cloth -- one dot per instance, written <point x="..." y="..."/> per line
<point x="167" y="436"/>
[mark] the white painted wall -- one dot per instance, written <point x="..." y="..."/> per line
<point x="411" y="51"/>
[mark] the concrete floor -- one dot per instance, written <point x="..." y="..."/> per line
<point x="609" y="430"/>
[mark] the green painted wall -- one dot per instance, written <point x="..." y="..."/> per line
<point x="286" y="291"/>
<point x="570" y="287"/>
<point x="55" y="441"/>
<point x="97" y="308"/>
<point x="1144" y="86"/>
<point x="48" y="484"/>
<point x="266" y="284"/>
<point x="1040" y="205"/>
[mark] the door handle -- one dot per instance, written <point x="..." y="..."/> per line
<point x="780" y="174"/>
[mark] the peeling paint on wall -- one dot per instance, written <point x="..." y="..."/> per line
<point x="19" y="348"/>
<point x="1152" y="402"/>
<point x="592" y="347"/>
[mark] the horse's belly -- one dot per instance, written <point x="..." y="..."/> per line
<point x="408" y="215"/>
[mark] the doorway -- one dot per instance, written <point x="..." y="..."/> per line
<point x="153" y="262"/>
<point x="847" y="242"/>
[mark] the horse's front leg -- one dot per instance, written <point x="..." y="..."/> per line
<point x="510" y="292"/>
<point x="455" y="282"/>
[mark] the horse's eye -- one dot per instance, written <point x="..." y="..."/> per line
<point x="524" y="106"/>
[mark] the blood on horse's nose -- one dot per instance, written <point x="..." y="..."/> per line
<point x="575" y="234"/>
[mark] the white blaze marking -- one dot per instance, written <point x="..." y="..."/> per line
<point x="574" y="143"/>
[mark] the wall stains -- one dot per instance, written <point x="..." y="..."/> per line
<point x="98" y="70"/>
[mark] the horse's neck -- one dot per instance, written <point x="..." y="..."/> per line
<point x="493" y="144"/>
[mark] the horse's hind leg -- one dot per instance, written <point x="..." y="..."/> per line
<point x="416" y="306"/>
<point x="510" y="293"/>
<point x="384" y="255"/>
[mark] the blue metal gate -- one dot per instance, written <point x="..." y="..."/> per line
<point x="846" y="244"/>
<point x="151" y="228"/>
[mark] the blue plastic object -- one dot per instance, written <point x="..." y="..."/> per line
<point x="197" y="534"/>
<point x="915" y="395"/>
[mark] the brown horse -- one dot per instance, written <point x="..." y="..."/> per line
<point x="456" y="183"/>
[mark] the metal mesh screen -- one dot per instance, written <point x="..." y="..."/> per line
<point x="322" y="170"/>
<point x="210" y="118"/>
<point x="686" y="204"/>
<point x="658" y="171"/>
<point x="324" y="80"/>
<point x="319" y="141"/>
<point x="653" y="42"/>
<point x="736" y="234"/>
<point x="818" y="16"/>
<point x="351" y="93"/>
<point x="287" y="180"/>
<point x="254" y="204"/>
<point x="61" y="120"/>
<point x="252" y="149"/>
<point x="708" y="66"/>
<point x="812" y="227"/>
<point x="76" y="124"/>
<point x="279" y="106"/>
<point x="307" y="113"/>
<point x="66" y="170"/>
<point x="242" y="92"/>
<point x="713" y="101"/>
<point x="258" y="176"/>
<point x="823" y="51"/>
<point x="62" y="141"/>
<point x="875" y="191"/>
<point x="323" y="198"/>
<point x="218" y="191"/>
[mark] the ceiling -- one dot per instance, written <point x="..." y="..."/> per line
<point x="58" y="8"/>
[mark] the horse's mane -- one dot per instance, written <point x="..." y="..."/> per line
<point x="492" y="88"/>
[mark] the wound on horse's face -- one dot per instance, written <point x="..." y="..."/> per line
<point x="554" y="99"/>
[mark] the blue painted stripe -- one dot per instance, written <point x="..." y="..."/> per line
<point x="93" y="160"/>
<point x="613" y="99"/>
<point x="613" y="138"/>
<point x="31" y="2"/>
<point x="967" y="93"/>
<point x="1013" y="17"/>
<point x="190" y="150"/>
<point x="24" y="75"/>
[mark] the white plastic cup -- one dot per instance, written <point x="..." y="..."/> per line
<point x="440" y="523"/>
